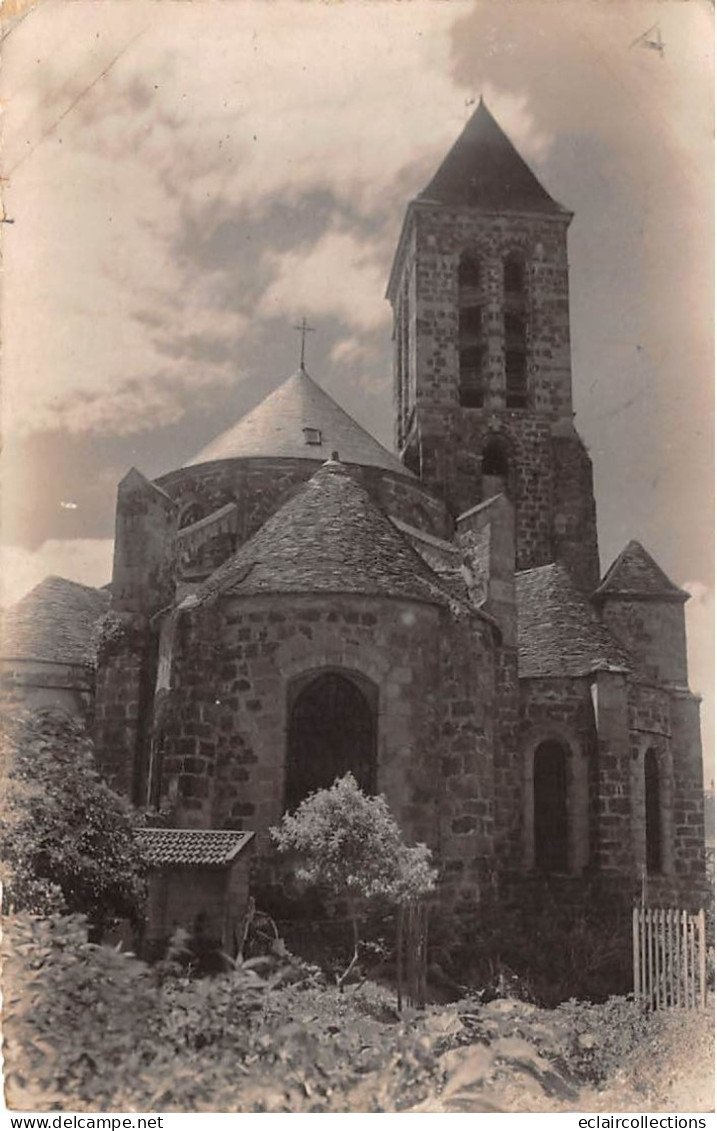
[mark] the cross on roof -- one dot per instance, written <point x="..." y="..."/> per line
<point x="305" y="329"/>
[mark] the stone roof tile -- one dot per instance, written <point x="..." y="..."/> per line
<point x="634" y="573"/>
<point x="330" y="537"/>
<point x="54" y="622"/>
<point x="484" y="170"/>
<point x="559" y="632"/>
<point x="300" y="421"/>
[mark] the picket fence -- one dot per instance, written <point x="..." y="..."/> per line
<point x="669" y="958"/>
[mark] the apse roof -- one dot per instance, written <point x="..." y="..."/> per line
<point x="299" y="421"/>
<point x="54" y="622"/>
<point x="559" y="632"/>
<point x="329" y="537"/>
<point x="634" y="573"/>
<point x="485" y="170"/>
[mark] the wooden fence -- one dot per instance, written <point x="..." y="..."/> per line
<point x="669" y="958"/>
<point x="411" y="951"/>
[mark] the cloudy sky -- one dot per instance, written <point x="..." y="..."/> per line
<point x="186" y="180"/>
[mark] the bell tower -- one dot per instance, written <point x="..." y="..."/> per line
<point x="482" y="379"/>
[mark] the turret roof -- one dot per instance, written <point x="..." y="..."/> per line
<point x="299" y="421"/>
<point x="330" y="537"/>
<point x="635" y="573"/>
<point x="485" y="170"/>
<point x="55" y="622"/>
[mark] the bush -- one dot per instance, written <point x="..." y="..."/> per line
<point x="349" y="845"/>
<point x="66" y="839"/>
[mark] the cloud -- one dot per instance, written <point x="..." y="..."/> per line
<point x="87" y="560"/>
<point x="112" y="166"/>
<point x="340" y="276"/>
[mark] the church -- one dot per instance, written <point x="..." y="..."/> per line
<point x="297" y="601"/>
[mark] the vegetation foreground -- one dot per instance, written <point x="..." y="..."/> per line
<point x="91" y="1028"/>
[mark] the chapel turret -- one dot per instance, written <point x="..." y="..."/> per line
<point x="482" y="376"/>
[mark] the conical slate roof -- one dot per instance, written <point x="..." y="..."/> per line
<point x="484" y="170"/>
<point x="54" y="622"/>
<point x="299" y="421"/>
<point x="328" y="538"/>
<point x="634" y="573"/>
<point x="559" y="633"/>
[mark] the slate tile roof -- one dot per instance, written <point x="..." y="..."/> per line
<point x="559" y="632"/>
<point x="328" y="538"/>
<point x="54" y="622"/>
<point x="484" y="170"/>
<point x="634" y="573"/>
<point x="278" y="427"/>
<point x="182" y="847"/>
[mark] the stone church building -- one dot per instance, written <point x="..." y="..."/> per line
<point x="297" y="601"/>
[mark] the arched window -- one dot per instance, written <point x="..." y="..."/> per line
<point x="471" y="346"/>
<point x="653" y="813"/>
<point x="550" y="799"/>
<point x="191" y="514"/>
<point x="515" y="332"/>
<point x="332" y="729"/>
<point x="495" y="467"/>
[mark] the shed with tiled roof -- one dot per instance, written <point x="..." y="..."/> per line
<point x="199" y="882"/>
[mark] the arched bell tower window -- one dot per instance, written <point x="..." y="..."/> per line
<point x="550" y="799"/>
<point x="471" y="345"/>
<point x="332" y="730"/>
<point x="515" y="322"/>
<point x="653" y="813"/>
<point x="495" y="468"/>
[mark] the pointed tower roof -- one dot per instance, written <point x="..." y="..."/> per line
<point x="484" y="170"/>
<point x="328" y="538"/>
<point x="54" y="622"/>
<point x="299" y="421"/>
<point x="636" y="575"/>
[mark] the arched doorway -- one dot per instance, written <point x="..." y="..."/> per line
<point x="332" y="729"/>
<point x="550" y="794"/>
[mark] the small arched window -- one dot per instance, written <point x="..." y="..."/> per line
<point x="514" y="275"/>
<point x="471" y="344"/>
<point x="191" y="514"/>
<point x="550" y="799"/>
<point x="653" y="813"/>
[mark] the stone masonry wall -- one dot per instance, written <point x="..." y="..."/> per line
<point x="259" y="486"/>
<point x="562" y="710"/>
<point x="224" y="734"/>
<point x="555" y="515"/>
<point x="126" y="673"/>
<point x="653" y="632"/>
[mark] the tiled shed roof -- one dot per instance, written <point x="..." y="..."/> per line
<point x="300" y="421"/>
<point x="328" y="538"/>
<point x="179" y="847"/>
<point x="484" y="170"/>
<point x="559" y="632"/>
<point x="54" y="622"/>
<point x="634" y="573"/>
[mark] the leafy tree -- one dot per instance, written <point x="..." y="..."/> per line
<point x="350" y="845"/>
<point x="66" y="839"/>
